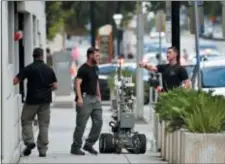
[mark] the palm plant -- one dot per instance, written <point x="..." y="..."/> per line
<point x="197" y="111"/>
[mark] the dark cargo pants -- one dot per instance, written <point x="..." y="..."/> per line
<point x="91" y="108"/>
<point x="28" y="114"/>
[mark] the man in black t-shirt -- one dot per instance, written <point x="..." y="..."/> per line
<point x="88" y="104"/>
<point x="41" y="80"/>
<point x="173" y="75"/>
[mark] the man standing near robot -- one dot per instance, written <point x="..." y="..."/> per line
<point x="88" y="104"/>
<point x="173" y="74"/>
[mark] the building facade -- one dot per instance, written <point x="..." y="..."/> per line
<point x="28" y="17"/>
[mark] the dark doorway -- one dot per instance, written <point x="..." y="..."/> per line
<point x="21" y="52"/>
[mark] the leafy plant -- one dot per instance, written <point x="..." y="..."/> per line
<point x="197" y="111"/>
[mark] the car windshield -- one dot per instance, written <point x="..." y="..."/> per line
<point x="154" y="48"/>
<point x="213" y="77"/>
<point x="106" y="70"/>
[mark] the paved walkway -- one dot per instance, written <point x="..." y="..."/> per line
<point x="60" y="137"/>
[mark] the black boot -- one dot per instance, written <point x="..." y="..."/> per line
<point x="42" y="154"/>
<point x="28" y="149"/>
<point x="90" y="149"/>
<point x="76" y="151"/>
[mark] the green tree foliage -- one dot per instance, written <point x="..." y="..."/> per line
<point x="54" y="18"/>
<point x="74" y="15"/>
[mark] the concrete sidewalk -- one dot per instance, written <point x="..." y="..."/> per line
<point x="60" y="137"/>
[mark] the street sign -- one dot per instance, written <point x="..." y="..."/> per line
<point x="105" y="43"/>
<point x="160" y="20"/>
<point x="200" y="19"/>
<point x="168" y="31"/>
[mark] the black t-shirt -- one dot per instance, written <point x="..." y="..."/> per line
<point x="172" y="75"/>
<point x="39" y="79"/>
<point x="89" y="76"/>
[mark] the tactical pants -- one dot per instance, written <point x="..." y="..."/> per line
<point x="91" y="108"/>
<point x="28" y="114"/>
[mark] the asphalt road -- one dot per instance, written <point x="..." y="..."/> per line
<point x="188" y="42"/>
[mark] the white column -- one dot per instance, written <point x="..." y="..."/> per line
<point x="1" y="83"/>
<point x="5" y="93"/>
<point x="28" y="38"/>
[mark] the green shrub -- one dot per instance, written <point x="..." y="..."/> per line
<point x="197" y="111"/>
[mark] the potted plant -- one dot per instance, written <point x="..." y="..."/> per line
<point x="201" y="116"/>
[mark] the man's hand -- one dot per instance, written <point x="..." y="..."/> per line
<point x="159" y="89"/>
<point x="142" y="64"/>
<point x="80" y="102"/>
<point x="99" y="98"/>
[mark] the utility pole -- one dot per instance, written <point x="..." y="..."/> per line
<point x="139" y="72"/>
<point x="175" y="18"/>
<point x="223" y="17"/>
<point x="118" y="30"/>
<point x="93" y="26"/>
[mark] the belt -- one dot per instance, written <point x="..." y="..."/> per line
<point x="86" y="94"/>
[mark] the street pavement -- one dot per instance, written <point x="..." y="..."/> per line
<point x="60" y="138"/>
<point x="188" y="42"/>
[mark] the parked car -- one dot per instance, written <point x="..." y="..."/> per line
<point x="106" y="69"/>
<point x="206" y="55"/>
<point x="213" y="76"/>
<point x="205" y="47"/>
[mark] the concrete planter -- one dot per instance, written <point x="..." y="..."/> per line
<point x="202" y="148"/>
<point x="171" y="144"/>
<point x="159" y="135"/>
<point x="167" y="146"/>
<point x="163" y="139"/>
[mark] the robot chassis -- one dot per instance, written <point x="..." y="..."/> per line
<point x="123" y="135"/>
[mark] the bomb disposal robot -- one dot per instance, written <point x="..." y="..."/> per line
<point x="123" y="135"/>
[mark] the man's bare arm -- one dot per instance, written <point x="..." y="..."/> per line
<point x="54" y="86"/>
<point x="148" y="67"/>
<point x="98" y="89"/>
<point x="78" y="82"/>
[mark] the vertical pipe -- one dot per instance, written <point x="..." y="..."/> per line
<point x="118" y="29"/>
<point x="175" y="17"/>
<point x="197" y="43"/>
<point x="93" y="26"/>
<point x="223" y="18"/>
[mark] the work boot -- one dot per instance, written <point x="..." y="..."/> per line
<point x="28" y="149"/>
<point x="42" y="154"/>
<point x="90" y="149"/>
<point x="76" y="152"/>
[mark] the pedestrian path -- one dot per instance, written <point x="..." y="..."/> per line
<point x="60" y="138"/>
